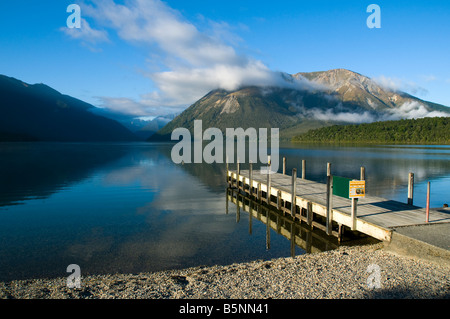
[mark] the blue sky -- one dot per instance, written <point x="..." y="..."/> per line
<point x="150" y="57"/>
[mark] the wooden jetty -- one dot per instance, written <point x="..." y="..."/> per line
<point x="315" y="204"/>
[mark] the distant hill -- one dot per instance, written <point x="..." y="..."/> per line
<point x="154" y="126"/>
<point x="332" y="97"/>
<point x="39" y="113"/>
<point x="415" y="131"/>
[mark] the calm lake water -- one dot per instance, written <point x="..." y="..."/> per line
<point x="128" y="208"/>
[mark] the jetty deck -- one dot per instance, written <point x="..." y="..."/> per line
<point x="373" y="216"/>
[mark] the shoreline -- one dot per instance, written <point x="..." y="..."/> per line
<point x="344" y="273"/>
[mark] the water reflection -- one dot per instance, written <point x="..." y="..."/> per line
<point x="300" y="236"/>
<point x="128" y="208"/>
<point x="131" y="210"/>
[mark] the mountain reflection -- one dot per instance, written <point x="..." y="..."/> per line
<point x="128" y="208"/>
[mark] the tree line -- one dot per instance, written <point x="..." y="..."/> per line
<point x="414" y="131"/>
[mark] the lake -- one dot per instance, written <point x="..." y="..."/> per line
<point x="128" y="208"/>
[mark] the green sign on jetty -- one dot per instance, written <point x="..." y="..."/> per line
<point x="341" y="186"/>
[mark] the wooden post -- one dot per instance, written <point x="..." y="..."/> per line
<point x="329" y="221"/>
<point x="284" y="165"/>
<point x="309" y="214"/>
<point x="279" y="200"/>
<point x="303" y="169"/>
<point x="259" y="192"/>
<point x="329" y="200"/>
<point x="268" y="181"/>
<point x="340" y="233"/>
<point x="410" y="188"/>
<point x="354" y="212"/>
<point x="227" y="171"/>
<point x="250" y="175"/>
<point x="293" y="191"/>
<point x="267" y="229"/>
<point x="427" y="218"/>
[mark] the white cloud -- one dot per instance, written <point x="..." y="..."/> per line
<point x="349" y="117"/>
<point x="408" y="110"/>
<point x="395" y="84"/>
<point x="412" y="110"/>
<point x="190" y="62"/>
<point x="86" y="33"/>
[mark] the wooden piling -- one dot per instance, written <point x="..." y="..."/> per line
<point x="309" y="214"/>
<point x="427" y="210"/>
<point x="259" y="192"/>
<point x="293" y="191"/>
<point x="227" y="171"/>
<point x="329" y="214"/>
<point x="268" y="229"/>
<point x="411" y="188"/>
<point x="354" y="212"/>
<point x="284" y="165"/>
<point x="279" y="200"/>
<point x="340" y="233"/>
<point x="268" y="180"/>
<point x="250" y="191"/>
<point x="303" y="169"/>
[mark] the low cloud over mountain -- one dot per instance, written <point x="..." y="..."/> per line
<point x="334" y="96"/>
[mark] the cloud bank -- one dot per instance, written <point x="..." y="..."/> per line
<point x="413" y="110"/>
<point x="185" y="61"/>
<point x="397" y="85"/>
<point x="408" y="110"/>
<point x="190" y="62"/>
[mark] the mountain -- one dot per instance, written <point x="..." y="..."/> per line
<point x="306" y="101"/>
<point x="39" y="113"/>
<point x="154" y="126"/>
<point x="354" y="88"/>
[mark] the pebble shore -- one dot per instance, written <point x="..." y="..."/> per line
<point x="337" y="274"/>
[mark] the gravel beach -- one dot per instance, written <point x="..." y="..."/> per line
<point x="342" y="273"/>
